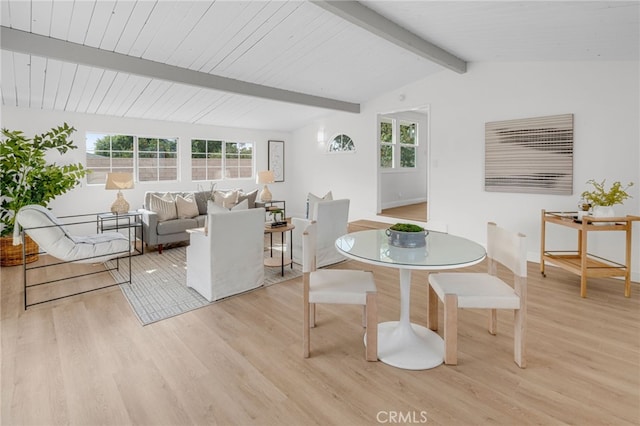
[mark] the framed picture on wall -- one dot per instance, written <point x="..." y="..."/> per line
<point x="276" y="159"/>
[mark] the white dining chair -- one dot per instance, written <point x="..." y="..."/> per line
<point x="484" y="291"/>
<point x="336" y="286"/>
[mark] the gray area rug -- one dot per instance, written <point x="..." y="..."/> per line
<point x="159" y="284"/>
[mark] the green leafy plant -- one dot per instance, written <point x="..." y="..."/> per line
<point x="277" y="213"/>
<point x="406" y="227"/>
<point x="25" y="176"/>
<point x="600" y="196"/>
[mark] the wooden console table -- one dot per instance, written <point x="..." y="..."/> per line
<point x="580" y="262"/>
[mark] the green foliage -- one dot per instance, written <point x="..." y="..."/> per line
<point x="25" y="176"/>
<point x="602" y="197"/>
<point x="406" y="227"/>
<point x="408" y="133"/>
<point x="276" y="215"/>
<point x="386" y="156"/>
<point x="407" y="157"/>
<point x="118" y="146"/>
<point x="386" y="132"/>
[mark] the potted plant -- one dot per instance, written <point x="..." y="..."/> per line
<point x="602" y="200"/>
<point x="407" y="235"/>
<point x="27" y="178"/>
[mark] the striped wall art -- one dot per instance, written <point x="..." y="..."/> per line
<point x="530" y="155"/>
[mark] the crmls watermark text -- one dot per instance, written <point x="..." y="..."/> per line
<point x="405" y="417"/>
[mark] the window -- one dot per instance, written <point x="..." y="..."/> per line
<point x="150" y="159"/>
<point x="157" y="159"/>
<point x="341" y="143"/>
<point x="108" y="153"/>
<point x="398" y="140"/>
<point x="214" y="160"/>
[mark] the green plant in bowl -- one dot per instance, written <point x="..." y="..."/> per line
<point x="406" y="227"/>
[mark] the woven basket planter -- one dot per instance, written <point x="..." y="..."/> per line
<point x="11" y="255"/>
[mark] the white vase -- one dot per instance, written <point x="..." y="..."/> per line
<point x="603" y="211"/>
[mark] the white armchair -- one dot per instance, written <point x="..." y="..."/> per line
<point x="229" y="259"/>
<point x="332" y="219"/>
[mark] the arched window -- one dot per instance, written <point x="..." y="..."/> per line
<point x="341" y="143"/>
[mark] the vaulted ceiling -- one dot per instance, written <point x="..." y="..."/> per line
<point x="278" y="64"/>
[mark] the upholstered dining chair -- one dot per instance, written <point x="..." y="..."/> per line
<point x="337" y="286"/>
<point x="332" y="218"/>
<point x="485" y="291"/>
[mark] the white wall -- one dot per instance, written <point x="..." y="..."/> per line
<point x="603" y="96"/>
<point x="94" y="198"/>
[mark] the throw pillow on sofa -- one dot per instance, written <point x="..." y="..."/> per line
<point x="242" y="205"/>
<point x="249" y="196"/>
<point x="202" y="196"/>
<point x="213" y="207"/>
<point x="164" y="207"/>
<point x="226" y="199"/>
<point x="186" y="206"/>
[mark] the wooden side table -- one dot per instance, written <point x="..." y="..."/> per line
<point x="282" y="261"/>
<point x="272" y="205"/>
<point x="581" y="262"/>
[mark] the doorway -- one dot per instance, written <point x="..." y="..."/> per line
<point x="403" y="185"/>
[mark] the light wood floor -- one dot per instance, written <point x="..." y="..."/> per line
<point x="410" y="212"/>
<point x="88" y="361"/>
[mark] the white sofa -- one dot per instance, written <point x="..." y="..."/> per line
<point x="332" y="219"/>
<point x="229" y="258"/>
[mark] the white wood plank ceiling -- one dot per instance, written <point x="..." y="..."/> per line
<point x="291" y="45"/>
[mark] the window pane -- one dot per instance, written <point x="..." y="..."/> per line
<point x="407" y="156"/>
<point x="341" y="143"/>
<point x="386" y="156"/>
<point x="214" y="146"/>
<point x="146" y="174"/>
<point x="408" y="133"/>
<point x="97" y="175"/>
<point x="198" y="173"/>
<point x="168" y="145"/>
<point x="386" y="131"/>
<point x="106" y="153"/>
<point x="214" y="173"/>
<point x="168" y="173"/>
<point x="245" y="172"/>
<point x="214" y="160"/>
<point x="198" y="146"/>
<point x="147" y="144"/>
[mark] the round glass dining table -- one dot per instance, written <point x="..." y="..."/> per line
<point x="401" y="343"/>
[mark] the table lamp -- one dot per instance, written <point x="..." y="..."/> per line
<point x="265" y="177"/>
<point x="119" y="181"/>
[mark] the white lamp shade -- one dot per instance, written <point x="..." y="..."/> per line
<point x="265" y="176"/>
<point x="119" y="180"/>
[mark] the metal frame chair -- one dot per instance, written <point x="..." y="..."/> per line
<point x="118" y="247"/>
